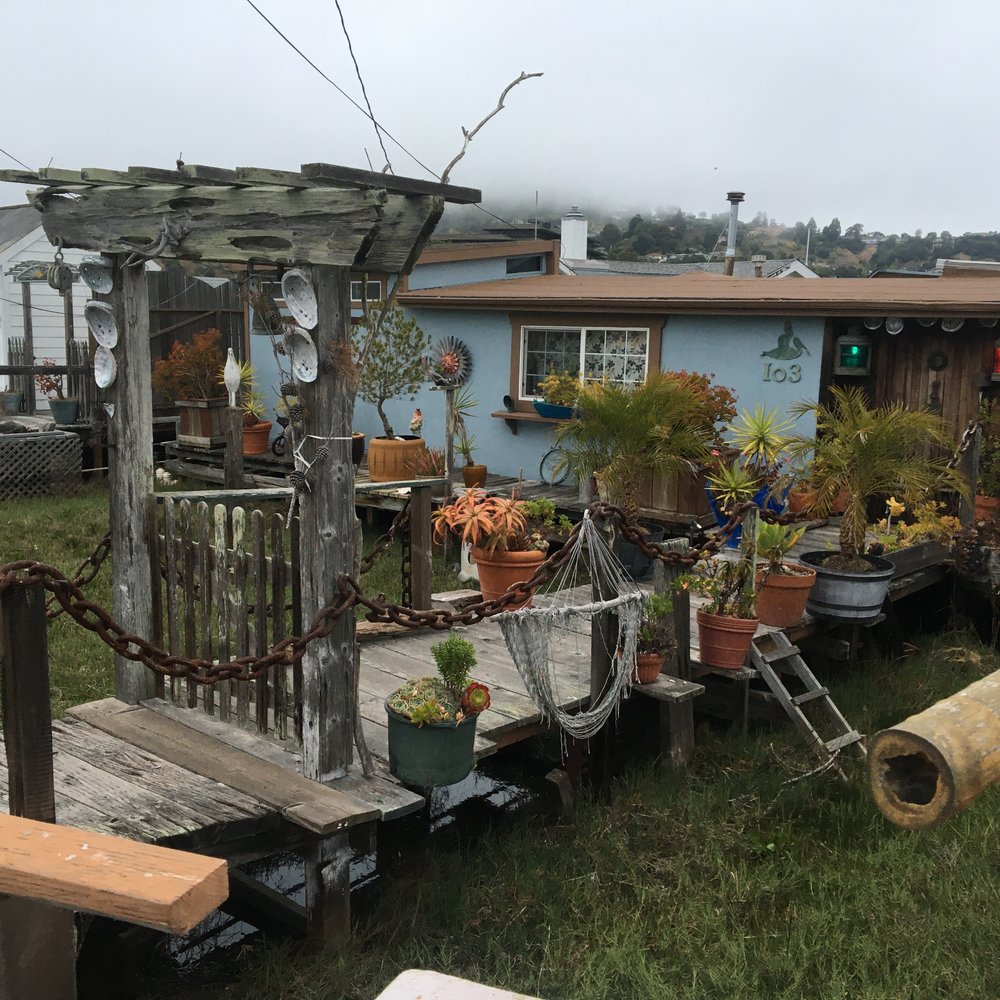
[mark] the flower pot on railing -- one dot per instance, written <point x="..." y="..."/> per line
<point x="255" y="437"/>
<point x="11" y="401"/>
<point x="64" y="411"/>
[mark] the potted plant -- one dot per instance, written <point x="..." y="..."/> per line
<point x="11" y="399"/>
<point x="508" y="536"/>
<point x="988" y="480"/>
<point x="428" y="463"/>
<point x="473" y="474"/>
<point x="782" y="587"/>
<point x="256" y="430"/>
<point x="728" y="620"/>
<point x="432" y="720"/>
<point x="189" y="377"/>
<point x="656" y="637"/>
<point x="869" y="452"/>
<point x="756" y="472"/>
<point x="559" y="391"/>
<point x="623" y="433"/>
<point x="393" y="366"/>
<point x="63" y="408"/>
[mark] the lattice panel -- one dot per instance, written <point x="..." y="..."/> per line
<point x="36" y="464"/>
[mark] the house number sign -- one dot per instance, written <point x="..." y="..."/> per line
<point x="788" y="348"/>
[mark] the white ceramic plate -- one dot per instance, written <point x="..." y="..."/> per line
<point x="952" y="324"/>
<point x="301" y="351"/>
<point x="893" y="325"/>
<point x="97" y="274"/>
<point x="103" y="325"/>
<point x="872" y="322"/>
<point x="105" y="368"/>
<point x="300" y="297"/>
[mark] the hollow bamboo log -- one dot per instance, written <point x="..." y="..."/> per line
<point x="934" y="764"/>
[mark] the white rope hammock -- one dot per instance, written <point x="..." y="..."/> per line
<point x="560" y="619"/>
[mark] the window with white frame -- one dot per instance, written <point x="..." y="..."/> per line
<point x="616" y="354"/>
<point x="373" y="293"/>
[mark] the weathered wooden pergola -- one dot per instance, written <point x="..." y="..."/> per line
<point x="326" y="219"/>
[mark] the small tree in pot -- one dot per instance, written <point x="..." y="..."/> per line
<point x="393" y="367"/>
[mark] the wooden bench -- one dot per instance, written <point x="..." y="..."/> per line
<point x="676" y="698"/>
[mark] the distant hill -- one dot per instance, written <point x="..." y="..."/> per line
<point x="677" y="235"/>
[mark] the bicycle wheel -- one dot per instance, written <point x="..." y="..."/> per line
<point x="278" y="445"/>
<point x="553" y="471"/>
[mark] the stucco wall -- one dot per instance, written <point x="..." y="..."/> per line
<point x="734" y="349"/>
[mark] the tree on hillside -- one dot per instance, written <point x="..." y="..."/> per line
<point x="831" y="233"/>
<point x="610" y="235"/>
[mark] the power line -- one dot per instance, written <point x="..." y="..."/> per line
<point x="34" y="308"/>
<point x="364" y="91"/>
<point x="339" y="89"/>
<point x="15" y="159"/>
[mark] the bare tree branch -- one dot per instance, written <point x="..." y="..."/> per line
<point x="469" y="136"/>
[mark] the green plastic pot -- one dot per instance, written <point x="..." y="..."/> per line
<point x="436" y="753"/>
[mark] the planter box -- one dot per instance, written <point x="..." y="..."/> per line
<point x="916" y="558"/>
<point x="202" y="422"/>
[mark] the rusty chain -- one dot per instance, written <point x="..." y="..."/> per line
<point x="968" y="435"/>
<point x="83" y="575"/>
<point x="93" y="617"/>
<point x="401" y="522"/>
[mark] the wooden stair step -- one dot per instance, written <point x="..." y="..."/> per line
<point x="776" y="655"/>
<point x="670" y="689"/>
<point x="802" y="699"/>
<point x="843" y="741"/>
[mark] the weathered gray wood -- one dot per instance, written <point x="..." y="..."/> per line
<point x="156" y="585"/>
<point x="174" y="595"/>
<point x="267" y="909"/>
<point x="420" y="547"/>
<point x="328" y="890"/>
<point x="29" y="342"/>
<point x="305" y="803"/>
<point x="25" y="690"/>
<point x="295" y="580"/>
<point x="278" y="677"/>
<point x="259" y="563"/>
<point x="238" y="609"/>
<point x="222" y="602"/>
<point x="449" y="442"/>
<point x="333" y="173"/>
<point x="970" y="469"/>
<point x="232" y="465"/>
<point x="190" y="558"/>
<point x="205" y="590"/>
<point x="265" y="223"/>
<point x="327" y="517"/>
<point x="130" y="460"/>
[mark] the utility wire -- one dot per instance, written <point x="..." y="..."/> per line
<point x="364" y="91"/>
<point x="34" y="308"/>
<point x="339" y="89"/>
<point x="15" y="159"/>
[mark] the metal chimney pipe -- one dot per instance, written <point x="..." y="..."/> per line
<point x="734" y="198"/>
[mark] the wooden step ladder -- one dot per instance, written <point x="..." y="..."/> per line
<point x="790" y="660"/>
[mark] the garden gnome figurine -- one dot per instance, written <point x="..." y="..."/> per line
<point x="231" y="376"/>
<point x="416" y="422"/>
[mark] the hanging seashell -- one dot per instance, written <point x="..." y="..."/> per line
<point x="300" y="297"/>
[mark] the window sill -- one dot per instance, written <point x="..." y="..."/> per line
<point x="514" y="417"/>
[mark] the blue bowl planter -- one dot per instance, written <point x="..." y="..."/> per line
<point x="762" y="498"/>
<point x="552" y="410"/>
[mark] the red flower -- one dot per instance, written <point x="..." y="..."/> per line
<point x="475" y="698"/>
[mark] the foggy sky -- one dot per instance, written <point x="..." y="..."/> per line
<point x="880" y="112"/>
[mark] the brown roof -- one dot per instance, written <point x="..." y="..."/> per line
<point x="715" y="294"/>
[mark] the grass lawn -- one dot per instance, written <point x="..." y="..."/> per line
<point x="62" y="531"/>
<point x="717" y="882"/>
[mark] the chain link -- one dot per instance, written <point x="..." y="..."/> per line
<point x="133" y="647"/>
<point x="968" y="435"/>
<point x="401" y="522"/>
<point x="85" y="572"/>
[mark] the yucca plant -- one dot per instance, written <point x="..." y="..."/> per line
<point x="870" y="451"/>
<point x="622" y="433"/>
<point x="761" y="437"/>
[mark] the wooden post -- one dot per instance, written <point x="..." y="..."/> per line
<point x="29" y="345"/>
<point x="420" y="547"/>
<point x="449" y="441"/>
<point x="232" y="468"/>
<point x="37" y="941"/>
<point x="328" y="889"/>
<point x="327" y="533"/>
<point x="67" y="300"/>
<point x="130" y="475"/>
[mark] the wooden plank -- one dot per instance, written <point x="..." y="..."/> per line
<point x="156" y="585"/>
<point x="259" y="563"/>
<point x="667" y="688"/>
<point x="220" y="587"/>
<point x="240" y="624"/>
<point x="328" y="890"/>
<point x="190" y="558"/>
<point x="327" y="517"/>
<point x="154" y="886"/>
<point x="205" y="590"/>
<point x="303" y="802"/>
<point x="295" y="580"/>
<point x="278" y="677"/>
<point x="130" y="475"/>
<point x="335" y="174"/>
<point x="420" y="547"/>
<point x="267" y="909"/>
<point x="381" y="791"/>
<point x="173" y="591"/>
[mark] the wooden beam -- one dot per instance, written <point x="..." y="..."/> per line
<point x="232" y="461"/>
<point x="328" y="890"/>
<point x="29" y="343"/>
<point x="27" y="719"/>
<point x="334" y="174"/>
<point x="154" y="886"/>
<point x="327" y="524"/>
<point x="130" y="475"/>
<point x="305" y="803"/>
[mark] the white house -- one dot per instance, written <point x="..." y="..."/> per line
<point x="22" y="240"/>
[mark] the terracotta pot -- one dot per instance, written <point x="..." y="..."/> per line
<point x="648" y="667"/>
<point x="724" y="641"/>
<point x="474" y="475"/>
<point x="987" y="508"/>
<point x="781" y="597"/>
<point x="499" y="571"/>
<point x="255" y="437"/>
<point x="389" y="458"/>
<point x="800" y="500"/>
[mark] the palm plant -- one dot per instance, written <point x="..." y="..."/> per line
<point x="625" y="432"/>
<point x="870" y="451"/>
